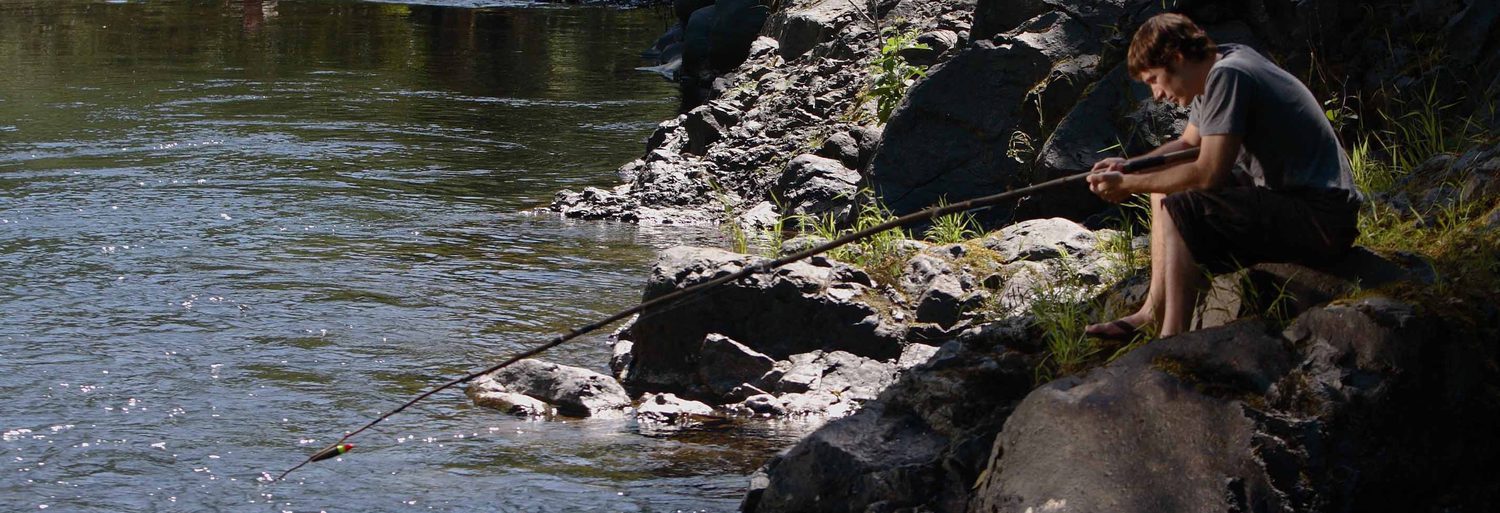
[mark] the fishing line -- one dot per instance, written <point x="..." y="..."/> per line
<point x="663" y="302"/>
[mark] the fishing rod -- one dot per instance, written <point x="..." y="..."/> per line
<point x="339" y="448"/>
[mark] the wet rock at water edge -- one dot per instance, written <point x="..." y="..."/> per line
<point x="573" y="391"/>
<point x="725" y="364"/>
<point x="670" y="409"/>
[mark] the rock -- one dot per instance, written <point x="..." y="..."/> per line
<point x="907" y="448"/>
<point x="1285" y="290"/>
<point x="938" y="42"/>
<point x="798" y="30"/>
<point x="491" y="395"/>
<point x="620" y="357"/>
<point x="703" y="129"/>
<point x="801" y="243"/>
<point x="943" y="301"/>
<point x="760" y="217"/>
<point x="764" y="404"/>
<point x="992" y="18"/>
<point x="1151" y="432"/>
<point x="659" y="136"/>
<point x="842" y="147"/>
<point x="914" y="355"/>
<point x="768" y="313"/>
<point x="1042" y="239"/>
<point x="725" y="364"/>
<point x="573" y="391"/>
<point x="670" y="409"/>
<point x="815" y="186"/>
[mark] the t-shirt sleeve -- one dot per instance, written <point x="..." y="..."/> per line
<point x="1222" y="108"/>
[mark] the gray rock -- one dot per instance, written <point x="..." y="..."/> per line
<point x="573" y="391"/>
<point x="489" y="394"/>
<point x="759" y="217"/>
<point x="670" y="409"/>
<point x="801" y="243"/>
<point x="768" y="313"/>
<point x="725" y="364"/>
<point x="813" y="186"/>
<point x="914" y="355"/>
<point x="620" y="357"/>
<point x="1042" y="239"/>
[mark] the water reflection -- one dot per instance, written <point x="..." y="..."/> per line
<point x="232" y="230"/>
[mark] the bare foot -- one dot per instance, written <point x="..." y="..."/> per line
<point x="1124" y="328"/>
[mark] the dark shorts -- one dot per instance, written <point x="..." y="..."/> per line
<point x="1232" y="227"/>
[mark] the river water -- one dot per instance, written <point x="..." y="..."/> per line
<point x="231" y="231"/>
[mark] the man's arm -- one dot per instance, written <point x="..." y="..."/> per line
<point x="1189" y="139"/>
<point x="1211" y="169"/>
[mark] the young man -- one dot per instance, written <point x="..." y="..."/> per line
<point x="1295" y="201"/>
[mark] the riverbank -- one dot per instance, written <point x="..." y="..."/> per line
<point x="985" y="395"/>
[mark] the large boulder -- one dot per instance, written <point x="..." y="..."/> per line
<point x="973" y="125"/>
<point x="922" y="443"/>
<point x="1160" y="430"/>
<point x="767" y="312"/>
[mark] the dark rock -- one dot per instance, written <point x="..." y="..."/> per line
<point x="814" y="186"/>
<point x="665" y="128"/>
<point x="1286" y="290"/>
<point x="842" y="147"/>
<point x="1151" y="432"/>
<point x="798" y="30"/>
<point x="938" y="42"/>
<point x="768" y="313"/>
<point x="900" y="451"/>
<point x="942" y="302"/>
<point x="703" y="129"/>
<point x="573" y="391"/>
<point x="992" y="18"/>
<point x="951" y="134"/>
<point x="725" y="364"/>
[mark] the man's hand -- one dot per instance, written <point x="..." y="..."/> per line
<point x="1109" y="185"/>
<point x="1115" y="164"/>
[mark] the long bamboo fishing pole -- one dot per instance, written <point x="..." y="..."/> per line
<point x="1141" y="163"/>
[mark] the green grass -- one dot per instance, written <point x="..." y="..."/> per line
<point x="952" y="228"/>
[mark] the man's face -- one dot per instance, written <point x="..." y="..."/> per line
<point x="1169" y="85"/>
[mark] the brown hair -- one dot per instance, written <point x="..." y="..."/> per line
<point x="1164" y="35"/>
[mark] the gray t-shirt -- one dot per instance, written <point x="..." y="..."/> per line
<point x="1288" y="143"/>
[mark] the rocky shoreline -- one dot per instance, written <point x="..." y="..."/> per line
<point x="1338" y="389"/>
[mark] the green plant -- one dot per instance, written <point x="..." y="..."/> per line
<point x="881" y="255"/>
<point x="1119" y="248"/>
<point x="890" y="73"/>
<point x="1060" y="312"/>
<point x="952" y="228"/>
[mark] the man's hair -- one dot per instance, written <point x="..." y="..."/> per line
<point x="1164" y="35"/>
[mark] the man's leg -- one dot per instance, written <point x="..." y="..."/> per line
<point x="1181" y="279"/>
<point x="1155" y="299"/>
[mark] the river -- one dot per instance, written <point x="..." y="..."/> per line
<point x="233" y="230"/>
